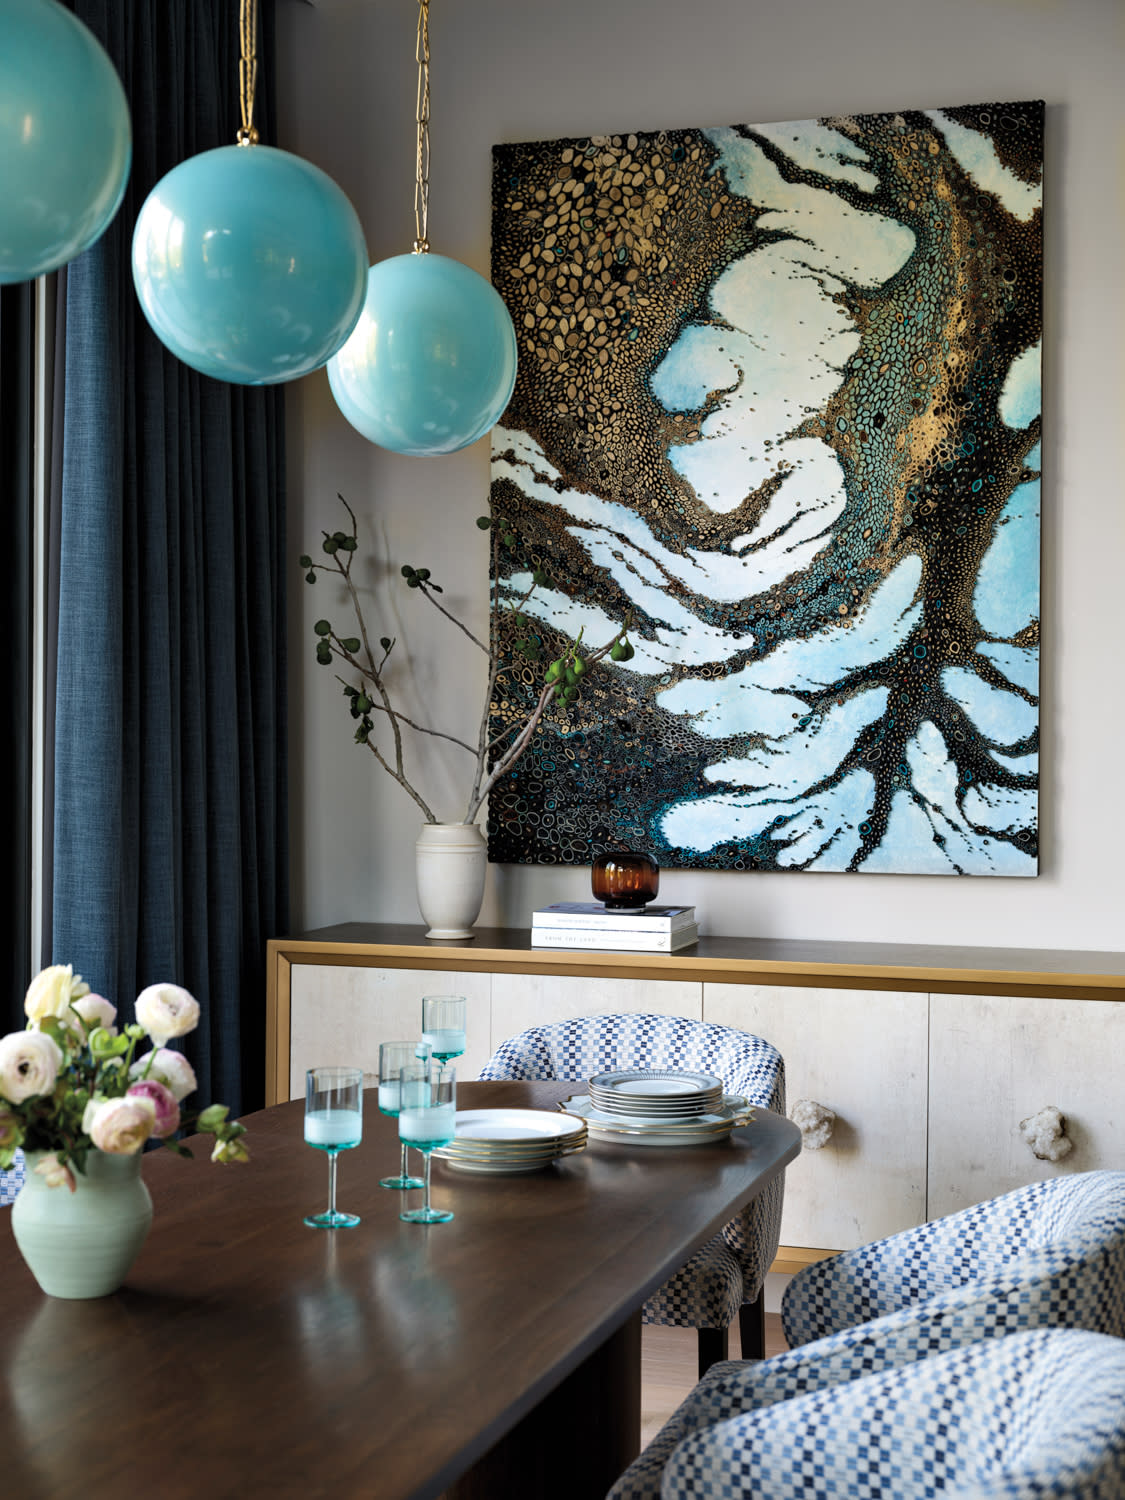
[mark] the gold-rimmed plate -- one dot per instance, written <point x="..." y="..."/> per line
<point x="653" y="1084"/>
<point x="734" y="1110"/>
<point x="508" y="1141"/>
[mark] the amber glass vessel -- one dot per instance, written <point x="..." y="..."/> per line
<point x="625" y="879"/>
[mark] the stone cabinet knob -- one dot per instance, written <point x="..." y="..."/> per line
<point x="1045" y="1133"/>
<point x="814" y="1121"/>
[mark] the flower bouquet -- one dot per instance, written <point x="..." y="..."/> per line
<point x="72" y="1082"/>
<point x="76" y="1098"/>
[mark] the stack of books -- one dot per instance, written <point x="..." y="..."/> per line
<point x="589" y="924"/>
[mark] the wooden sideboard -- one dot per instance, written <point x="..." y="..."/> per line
<point x="930" y="1057"/>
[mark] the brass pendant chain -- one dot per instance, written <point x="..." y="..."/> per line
<point x="247" y="70"/>
<point x="422" y="118"/>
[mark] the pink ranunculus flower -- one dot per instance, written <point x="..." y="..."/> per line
<point x="167" y="1120"/>
<point x="170" y="1068"/>
<point x="121" y="1126"/>
<point x="165" y="1011"/>
<point x="51" y="991"/>
<point x="95" y="1011"/>
<point x="29" y="1065"/>
<point x="56" y="1172"/>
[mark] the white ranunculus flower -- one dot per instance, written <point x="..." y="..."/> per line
<point x="170" y="1068"/>
<point x="165" y="1011"/>
<point x="122" y="1126"/>
<point x="29" y="1065"/>
<point x="51" y="992"/>
<point x="96" y="1011"/>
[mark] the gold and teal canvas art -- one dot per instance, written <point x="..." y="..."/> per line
<point x="778" y="402"/>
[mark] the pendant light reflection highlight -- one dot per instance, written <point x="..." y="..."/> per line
<point x="66" y="143"/>
<point x="250" y="264"/>
<point x="432" y="362"/>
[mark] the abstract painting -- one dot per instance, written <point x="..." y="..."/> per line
<point x="778" y="406"/>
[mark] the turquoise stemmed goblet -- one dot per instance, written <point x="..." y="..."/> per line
<point x="333" y="1123"/>
<point x="427" y="1117"/>
<point x="443" y="1025"/>
<point x="393" y="1057"/>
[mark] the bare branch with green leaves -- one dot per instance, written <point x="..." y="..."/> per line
<point x="370" y="697"/>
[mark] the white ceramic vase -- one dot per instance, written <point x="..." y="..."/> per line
<point x="450" y="864"/>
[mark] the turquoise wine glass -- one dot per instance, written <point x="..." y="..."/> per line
<point x="333" y="1123"/>
<point x="443" y="1025"/>
<point x="427" y="1119"/>
<point x="393" y="1057"/>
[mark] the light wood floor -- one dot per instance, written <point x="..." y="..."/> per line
<point x="668" y="1368"/>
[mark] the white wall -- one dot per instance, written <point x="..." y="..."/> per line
<point x="509" y="70"/>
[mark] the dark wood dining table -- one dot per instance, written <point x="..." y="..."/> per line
<point x="496" y="1355"/>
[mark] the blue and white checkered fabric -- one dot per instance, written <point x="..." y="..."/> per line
<point x="1034" y="1414"/>
<point x="1015" y="1299"/>
<point x="708" y="1291"/>
<point x="1062" y="1240"/>
<point x="11" y="1180"/>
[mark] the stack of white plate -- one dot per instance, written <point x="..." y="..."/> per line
<point x="658" y="1107"/>
<point x="504" y="1142"/>
<point x="656" y="1093"/>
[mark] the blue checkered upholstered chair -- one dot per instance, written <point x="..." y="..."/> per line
<point x="11" y="1180"/>
<point x="725" y="1278"/>
<point x="1033" y="1414"/>
<point x="1016" y="1298"/>
<point x="1054" y="1249"/>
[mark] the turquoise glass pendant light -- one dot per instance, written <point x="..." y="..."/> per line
<point x="65" y="139"/>
<point x="250" y="264"/>
<point x="432" y="362"/>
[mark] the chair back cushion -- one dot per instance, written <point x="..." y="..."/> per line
<point x="578" y="1049"/>
<point x="1037" y="1414"/>
<point x="1062" y="1239"/>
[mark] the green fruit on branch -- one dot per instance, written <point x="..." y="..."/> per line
<point x="510" y="714"/>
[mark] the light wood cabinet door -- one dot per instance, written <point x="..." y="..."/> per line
<point x="340" y="1014"/>
<point x="997" y="1060"/>
<point x="863" y="1055"/>
<point x="523" y="1000"/>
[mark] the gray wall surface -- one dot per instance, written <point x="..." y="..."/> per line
<point x="507" y="71"/>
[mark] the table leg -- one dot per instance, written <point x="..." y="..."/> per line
<point x="576" y="1442"/>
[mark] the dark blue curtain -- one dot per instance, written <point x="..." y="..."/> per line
<point x="170" y="826"/>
